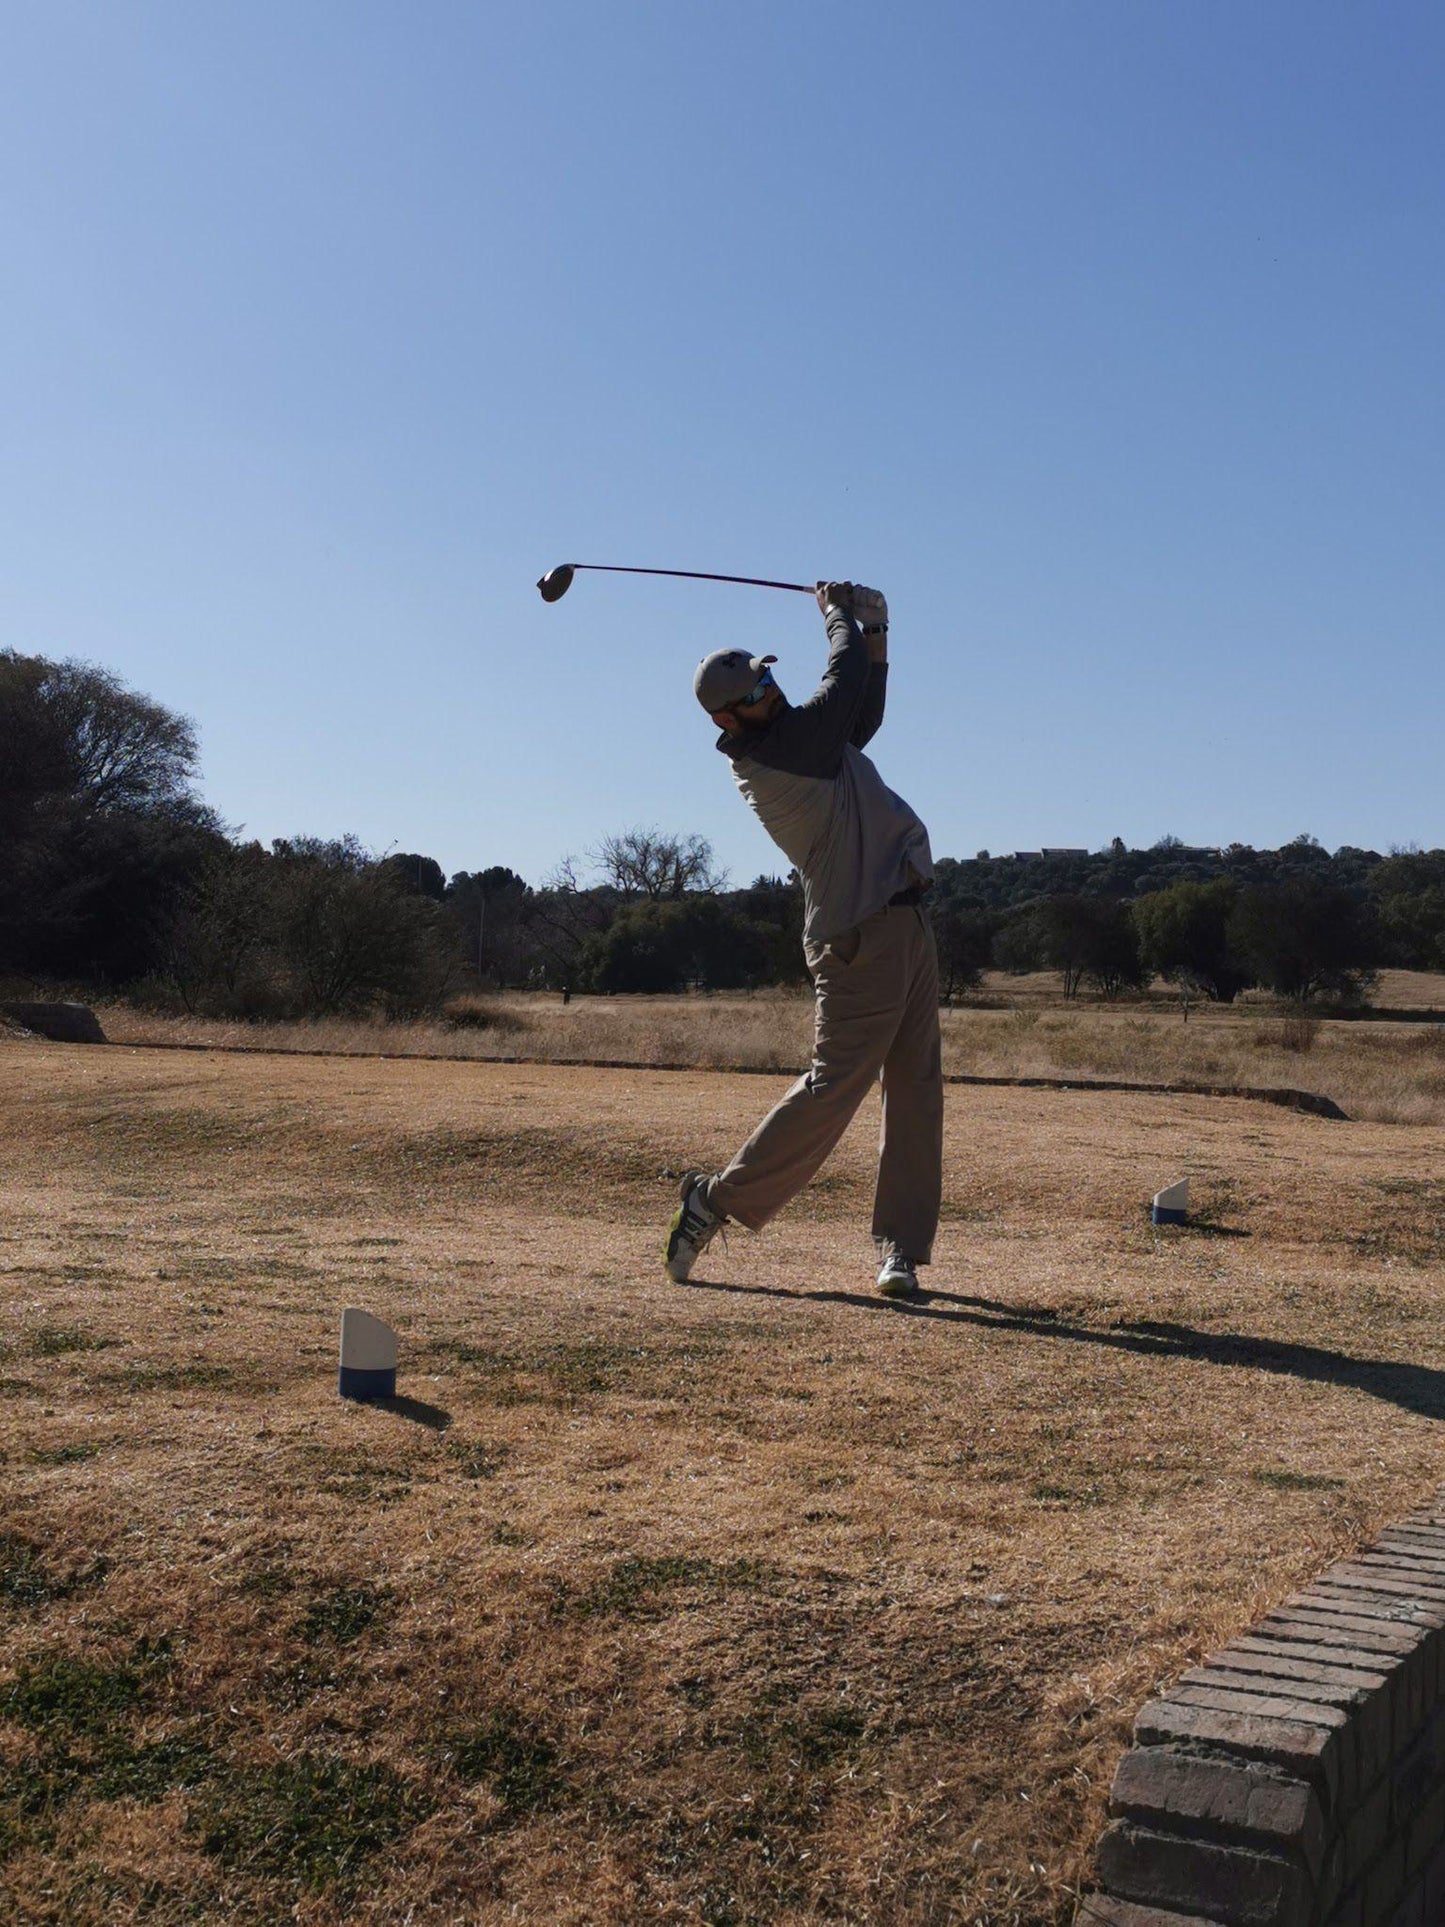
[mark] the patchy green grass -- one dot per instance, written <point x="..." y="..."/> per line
<point x="172" y="1378"/>
<point x="516" y="1761"/>
<point x="504" y="1533"/>
<point x="28" y="1579"/>
<point x="343" y="1472"/>
<point x="572" y="1373"/>
<point x="74" y="1695"/>
<point x="80" y="1713"/>
<point x="64" y="1454"/>
<point x="813" y="1738"/>
<point x="344" y="1615"/>
<point x="312" y="1822"/>
<point x="476" y="1459"/>
<point x="269" y="1579"/>
<point x="642" y="1585"/>
<point x="57" y="1341"/>
<point x="147" y="1773"/>
<point x="33" y="1794"/>
<point x="1286" y="1481"/>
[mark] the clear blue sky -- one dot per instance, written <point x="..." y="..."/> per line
<point x="1104" y="335"/>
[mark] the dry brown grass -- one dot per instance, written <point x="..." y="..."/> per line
<point x="760" y="1601"/>
<point x="1386" y="1072"/>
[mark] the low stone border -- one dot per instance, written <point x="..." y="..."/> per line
<point x="1297" y="1779"/>
<point x="1311" y="1101"/>
<point x="61" y="1023"/>
<point x="1291" y="1100"/>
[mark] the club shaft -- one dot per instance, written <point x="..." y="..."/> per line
<point x="696" y="575"/>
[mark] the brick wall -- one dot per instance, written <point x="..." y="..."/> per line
<point x="1297" y="1779"/>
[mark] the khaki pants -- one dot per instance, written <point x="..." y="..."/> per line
<point x="877" y="1015"/>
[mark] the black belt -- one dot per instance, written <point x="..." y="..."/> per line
<point x="905" y="899"/>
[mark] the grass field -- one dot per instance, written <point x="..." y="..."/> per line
<point x="762" y="1600"/>
<point x="1388" y="1070"/>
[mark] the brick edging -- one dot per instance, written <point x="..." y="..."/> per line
<point x="1297" y="1778"/>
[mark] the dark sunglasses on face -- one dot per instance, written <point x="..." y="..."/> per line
<point x="764" y="684"/>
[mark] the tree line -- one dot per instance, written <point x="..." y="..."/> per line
<point x="114" y="873"/>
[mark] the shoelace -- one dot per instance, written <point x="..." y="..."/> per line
<point x="707" y="1229"/>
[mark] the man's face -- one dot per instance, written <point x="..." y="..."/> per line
<point x="754" y="715"/>
<point x="739" y="717"/>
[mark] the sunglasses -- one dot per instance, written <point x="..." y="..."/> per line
<point x="764" y="684"/>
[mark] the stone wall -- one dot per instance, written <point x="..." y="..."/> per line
<point x="1297" y="1779"/>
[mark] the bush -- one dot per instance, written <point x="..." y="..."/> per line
<point x="309" y="929"/>
<point x="1296" y="1031"/>
<point x="472" y="1013"/>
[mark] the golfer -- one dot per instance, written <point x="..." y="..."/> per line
<point x="866" y="868"/>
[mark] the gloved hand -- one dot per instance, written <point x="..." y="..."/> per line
<point x="870" y="608"/>
<point x="834" y="595"/>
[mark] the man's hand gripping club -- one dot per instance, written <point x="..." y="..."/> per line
<point x="868" y="608"/>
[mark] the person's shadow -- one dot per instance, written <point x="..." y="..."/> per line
<point x="1415" y="1388"/>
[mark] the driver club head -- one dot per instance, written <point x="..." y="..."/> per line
<point x="556" y="582"/>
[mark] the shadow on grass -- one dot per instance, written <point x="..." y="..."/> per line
<point x="1414" y="1388"/>
<point x="1206" y="1228"/>
<point x="434" y="1417"/>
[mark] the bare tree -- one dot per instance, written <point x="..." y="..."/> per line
<point x="648" y="863"/>
<point x="558" y="918"/>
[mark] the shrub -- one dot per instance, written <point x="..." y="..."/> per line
<point x="474" y="1013"/>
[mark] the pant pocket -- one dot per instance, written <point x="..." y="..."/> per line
<point x="839" y="952"/>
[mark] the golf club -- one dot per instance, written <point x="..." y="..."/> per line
<point x="556" y="582"/>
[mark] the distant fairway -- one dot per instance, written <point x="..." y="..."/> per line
<point x="756" y="1600"/>
<point x="1386" y="1067"/>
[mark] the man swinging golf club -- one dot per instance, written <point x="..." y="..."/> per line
<point x="866" y="867"/>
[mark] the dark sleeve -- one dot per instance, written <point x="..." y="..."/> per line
<point x="810" y="739"/>
<point x="870" y="711"/>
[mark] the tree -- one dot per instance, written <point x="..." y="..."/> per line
<point x="1184" y="936"/>
<point x="73" y="729"/>
<point x="101" y="828"/>
<point x="1018" y="943"/>
<point x="351" y="937"/>
<point x="1090" y="937"/>
<point x="422" y="875"/>
<point x="1065" y="927"/>
<point x="487" y="907"/>
<point x="1113" y="962"/>
<point x="1303" y="938"/>
<point x="648" y="863"/>
<point x="964" y="935"/>
<point x="557" y="922"/>
<point x="774" y="907"/>
<point x="1409" y="889"/>
<point x="696" y="943"/>
<point x="221" y="934"/>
